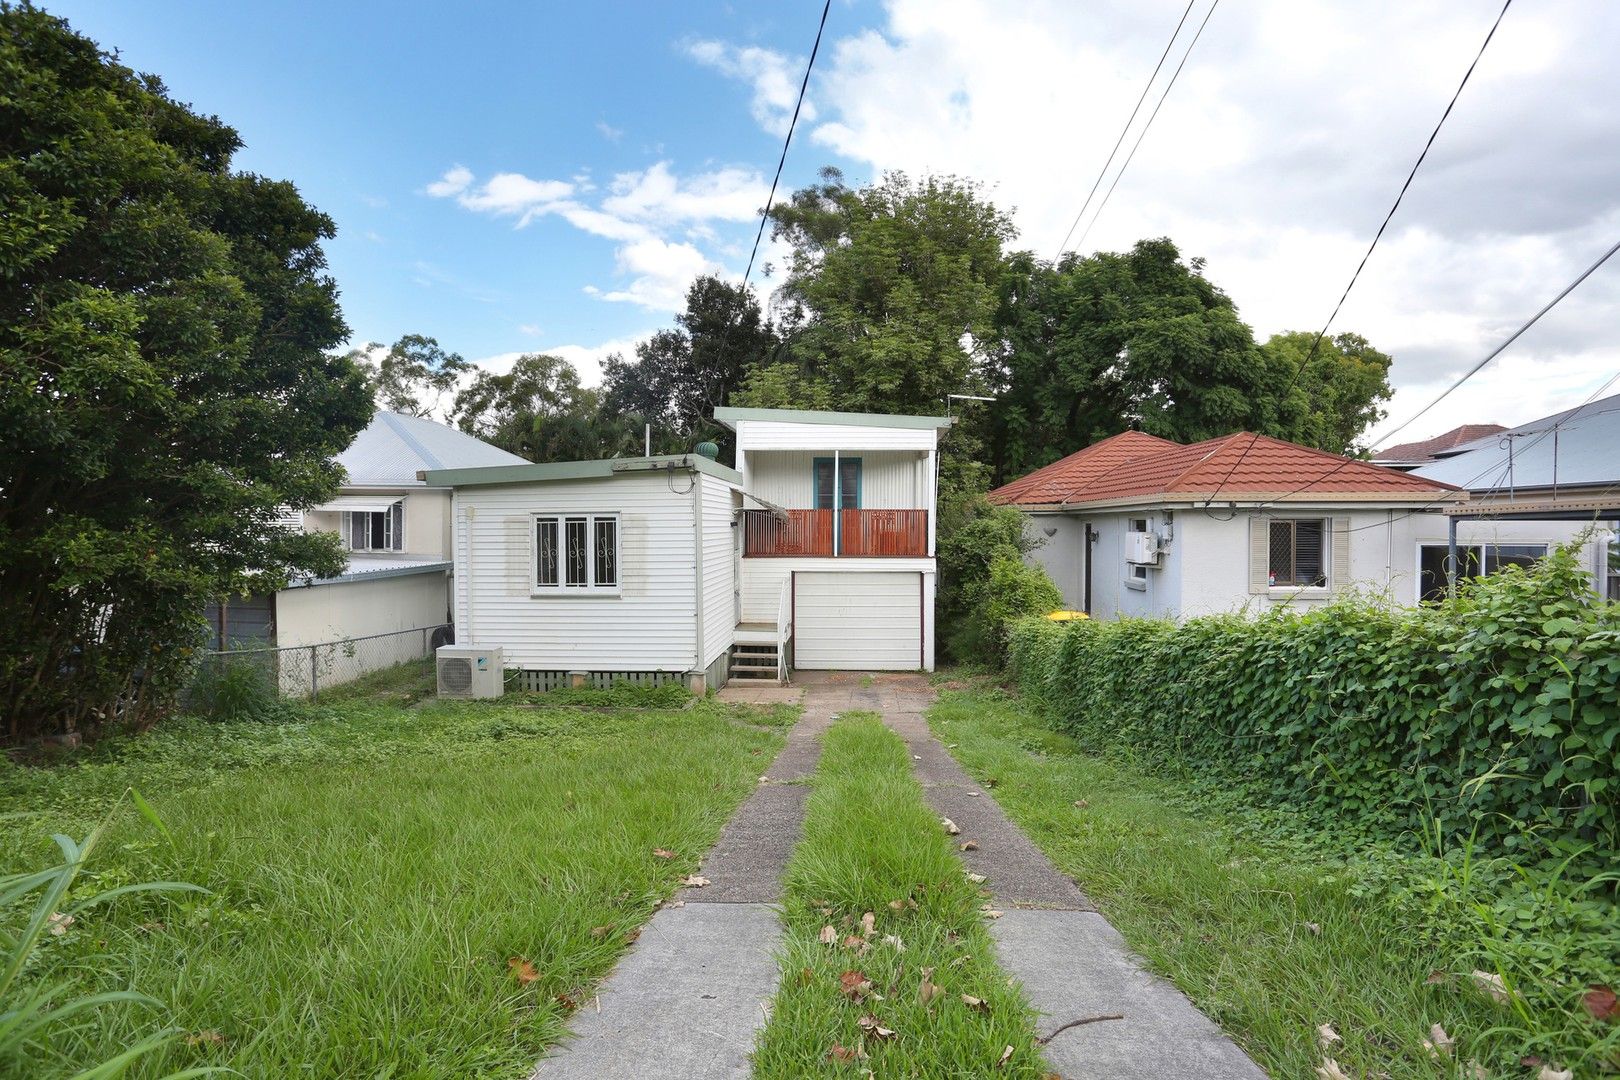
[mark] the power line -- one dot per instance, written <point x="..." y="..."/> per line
<point x="1095" y="184"/>
<point x="1316" y="344"/>
<point x="1493" y="354"/>
<point x="1151" y="117"/>
<point x="793" y="123"/>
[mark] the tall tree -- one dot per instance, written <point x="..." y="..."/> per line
<point x="539" y="410"/>
<point x="889" y="289"/>
<point x="680" y="376"/>
<point x="1339" y="394"/>
<point x="415" y="375"/>
<point x="164" y="385"/>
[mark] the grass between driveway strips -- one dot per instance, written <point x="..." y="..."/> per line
<point x="858" y="1001"/>
<point x="397" y="891"/>
<point x="1268" y="928"/>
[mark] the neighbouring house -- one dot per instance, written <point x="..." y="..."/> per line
<point x="816" y="551"/>
<point x="1139" y="525"/>
<point x="397" y="531"/>
<point x="1558" y="474"/>
<point x="1410" y="455"/>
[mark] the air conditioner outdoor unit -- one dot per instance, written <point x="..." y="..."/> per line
<point x="1142" y="549"/>
<point x="471" y="671"/>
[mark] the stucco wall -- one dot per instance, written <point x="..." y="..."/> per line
<point x="1062" y="555"/>
<point x="427" y="519"/>
<point x="315" y="614"/>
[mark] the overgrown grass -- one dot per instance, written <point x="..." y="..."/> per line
<point x="1275" y="925"/>
<point x="384" y="879"/>
<point x="871" y="845"/>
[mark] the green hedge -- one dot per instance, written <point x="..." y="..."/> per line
<point x="1495" y="713"/>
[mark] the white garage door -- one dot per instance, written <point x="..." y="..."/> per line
<point x="862" y="622"/>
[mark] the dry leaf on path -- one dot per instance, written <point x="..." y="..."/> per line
<point x="522" y="970"/>
<point x="693" y="881"/>
<point x="950" y="826"/>
<point x="989" y="912"/>
<point x="977" y="879"/>
<point x="828" y="936"/>
<point x="973" y="794"/>
<point x="970" y="845"/>
<point x="1326" y="1036"/>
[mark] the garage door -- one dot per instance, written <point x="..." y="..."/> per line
<point x="863" y="622"/>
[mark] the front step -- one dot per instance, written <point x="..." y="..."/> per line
<point x="755" y="662"/>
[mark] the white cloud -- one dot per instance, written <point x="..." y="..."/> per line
<point x="609" y="132"/>
<point x="660" y="272"/>
<point x="658" y="195"/>
<point x="1276" y="156"/>
<point x="586" y="359"/>
<point x="453" y="182"/>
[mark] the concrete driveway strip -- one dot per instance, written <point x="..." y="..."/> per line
<point x="1073" y="965"/>
<point x="687" y="999"/>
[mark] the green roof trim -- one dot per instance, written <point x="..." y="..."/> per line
<point x="729" y="417"/>
<point x="577" y="470"/>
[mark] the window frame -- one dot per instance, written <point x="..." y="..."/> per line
<point x="836" y="464"/>
<point x="1483" y="547"/>
<point x="1325" y="555"/>
<point x="1136" y="574"/>
<point x="593" y="521"/>
<point x="393" y="529"/>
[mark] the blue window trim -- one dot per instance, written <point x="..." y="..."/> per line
<point x="815" y="468"/>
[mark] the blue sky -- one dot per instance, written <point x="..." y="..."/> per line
<point x="515" y="177"/>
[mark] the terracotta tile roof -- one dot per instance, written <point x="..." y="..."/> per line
<point x="1241" y="465"/>
<point x="1426" y="449"/>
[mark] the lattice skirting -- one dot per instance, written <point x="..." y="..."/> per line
<point x="542" y="681"/>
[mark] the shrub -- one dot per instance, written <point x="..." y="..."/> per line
<point x="1010" y="590"/>
<point x="236" y="688"/>
<point x="973" y="532"/>
<point x="1494" y="714"/>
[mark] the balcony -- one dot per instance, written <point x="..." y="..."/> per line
<point x="852" y="534"/>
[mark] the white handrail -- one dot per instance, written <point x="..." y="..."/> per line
<point x="784" y="628"/>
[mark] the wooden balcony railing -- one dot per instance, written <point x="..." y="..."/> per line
<point x="862" y="533"/>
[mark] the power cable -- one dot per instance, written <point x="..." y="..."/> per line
<point x="1316" y="344"/>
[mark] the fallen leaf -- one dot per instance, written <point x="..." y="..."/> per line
<point x="845" y="1054"/>
<point x="1314" y="928"/>
<point x="1476" y="1071"/>
<point x="829" y="935"/>
<point x="59" y="923"/>
<point x="1437" y="977"/>
<point x="894" y="942"/>
<point x="970" y="845"/>
<point x="569" y="1000"/>
<point x="973" y="794"/>
<point x="693" y="881"/>
<point x="872" y="1027"/>
<point x="522" y="970"/>
<point x="1081" y="804"/>
<point x="929" y="989"/>
<point x="1329" y="1070"/>
<point x="1439" y="1044"/>
<point x="950" y="826"/>
<point x="1530" y="1061"/>
<point x="989" y="912"/>
<point x="978" y="1004"/>
<point x="205" y="1038"/>
<point x="1490" y="984"/>
<point x="868" y="924"/>
<point x="1326" y="1036"/>
<point x="600" y="931"/>
<point x="1599" y="1002"/>
<point x="854" y="985"/>
<point x="977" y="879"/>
<point x="856" y="942"/>
<point x="632" y="934"/>
<point x="1006" y="1056"/>
<point x="952" y="746"/>
<point x="1549" y="1073"/>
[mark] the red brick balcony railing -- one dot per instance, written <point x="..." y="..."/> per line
<point x="861" y="534"/>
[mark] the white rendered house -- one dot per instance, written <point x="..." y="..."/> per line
<point x="817" y="551"/>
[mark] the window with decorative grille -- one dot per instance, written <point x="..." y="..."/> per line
<point x="1297" y="552"/>
<point x="576" y="553"/>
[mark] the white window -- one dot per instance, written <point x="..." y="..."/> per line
<point x="375" y="530"/>
<point x="576" y="553"/>
<point x="1473" y="560"/>
<point x="1298" y="553"/>
<point x="1135" y="573"/>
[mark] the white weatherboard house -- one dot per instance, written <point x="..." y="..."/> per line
<point x="1138" y="525"/>
<point x="817" y="551"/>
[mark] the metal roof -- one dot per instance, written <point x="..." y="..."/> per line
<point x="1584" y="449"/>
<point x="367" y="567"/>
<point x="577" y="470"/>
<point x="730" y="416"/>
<point x="394" y="448"/>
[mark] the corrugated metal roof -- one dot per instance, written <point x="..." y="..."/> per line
<point x="1134" y="466"/>
<point x="729" y="415"/>
<point x="374" y="567"/>
<point x="394" y="448"/>
<point x="1585" y="450"/>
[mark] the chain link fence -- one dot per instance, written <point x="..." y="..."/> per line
<point x="303" y="671"/>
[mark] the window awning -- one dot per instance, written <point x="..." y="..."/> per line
<point x="358" y="503"/>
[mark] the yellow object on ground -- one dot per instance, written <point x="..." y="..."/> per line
<point x="1066" y="616"/>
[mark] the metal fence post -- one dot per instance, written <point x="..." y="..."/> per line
<point x="314" y="676"/>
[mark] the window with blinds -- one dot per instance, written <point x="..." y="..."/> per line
<point x="1298" y="553"/>
<point x="576" y="553"/>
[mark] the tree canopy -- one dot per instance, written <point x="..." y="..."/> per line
<point x="164" y="380"/>
<point x="415" y="375"/>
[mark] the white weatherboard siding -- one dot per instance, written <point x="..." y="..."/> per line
<point x="762" y="579"/>
<point x="861" y="621"/>
<point x="649" y="626"/>
<point x="781" y="435"/>
<point x="719" y="567"/>
<point x="890" y="479"/>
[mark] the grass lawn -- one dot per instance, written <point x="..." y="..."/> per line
<point x="1271" y="934"/>
<point x="871" y="846"/>
<point x="400" y="887"/>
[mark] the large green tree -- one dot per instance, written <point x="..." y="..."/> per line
<point x="539" y="410"/>
<point x="415" y="375"/>
<point x="889" y="289"/>
<point x="164" y="381"/>
<point x="680" y="376"/>
<point x="1332" y="400"/>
